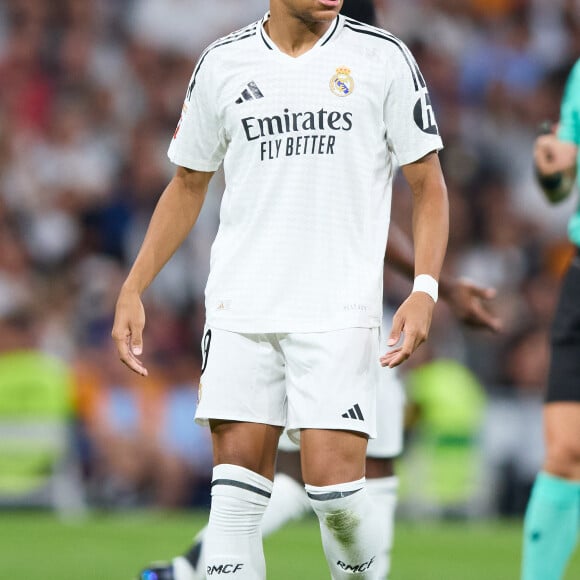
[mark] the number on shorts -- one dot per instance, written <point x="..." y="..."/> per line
<point x="205" y="348"/>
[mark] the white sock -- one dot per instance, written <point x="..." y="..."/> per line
<point x="352" y="534"/>
<point x="383" y="494"/>
<point x="288" y="502"/>
<point x="233" y="540"/>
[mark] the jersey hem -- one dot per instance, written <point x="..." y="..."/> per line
<point x="268" y="326"/>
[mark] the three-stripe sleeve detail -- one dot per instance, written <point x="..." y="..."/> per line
<point x="242" y="34"/>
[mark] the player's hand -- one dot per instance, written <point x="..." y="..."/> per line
<point x="413" y="320"/>
<point x="469" y="303"/>
<point x="128" y="330"/>
<point x="553" y="156"/>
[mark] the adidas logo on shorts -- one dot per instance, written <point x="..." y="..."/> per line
<point x="249" y="94"/>
<point x="354" y="413"/>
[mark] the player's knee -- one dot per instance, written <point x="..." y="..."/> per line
<point x="563" y="458"/>
<point x="333" y="472"/>
<point x="332" y="457"/>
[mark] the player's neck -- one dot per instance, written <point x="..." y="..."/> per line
<point x="291" y="34"/>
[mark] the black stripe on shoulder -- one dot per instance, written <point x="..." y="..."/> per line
<point x="371" y="31"/>
<point x="218" y="44"/>
<point x="365" y="26"/>
<point x="231" y="36"/>
<point x="235" y="33"/>
<point x="337" y="20"/>
<point x="403" y="47"/>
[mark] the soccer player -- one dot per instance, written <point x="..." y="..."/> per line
<point x="553" y="512"/>
<point x="306" y="109"/>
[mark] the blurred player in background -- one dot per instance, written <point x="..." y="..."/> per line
<point x="553" y="513"/>
<point x="290" y="105"/>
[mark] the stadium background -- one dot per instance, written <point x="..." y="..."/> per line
<point x="90" y="93"/>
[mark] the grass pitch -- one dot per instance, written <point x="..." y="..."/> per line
<point x="114" y="547"/>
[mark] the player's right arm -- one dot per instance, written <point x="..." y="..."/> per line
<point x="430" y="234"/>
<point x="174" y="216"/>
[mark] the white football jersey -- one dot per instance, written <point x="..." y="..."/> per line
<point x="307" y="146"/>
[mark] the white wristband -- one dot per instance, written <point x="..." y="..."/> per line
<point x="427" y="284"/>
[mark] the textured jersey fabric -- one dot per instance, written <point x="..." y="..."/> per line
<point x="308" y="146"/>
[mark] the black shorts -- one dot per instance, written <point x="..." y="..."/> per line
<point x="564" y="375"/>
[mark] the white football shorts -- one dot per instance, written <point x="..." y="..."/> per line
<point x="390" y="416"/>
<point x="317" y="380"/>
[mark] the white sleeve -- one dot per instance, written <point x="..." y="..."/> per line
<point x="199" y="141"/>
<point x="412" y="131"/>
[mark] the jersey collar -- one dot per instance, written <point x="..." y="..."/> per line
<point x="266" y="41"/>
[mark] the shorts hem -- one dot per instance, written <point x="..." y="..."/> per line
<point x="294" y="432"/>
<point x="204" y="421"/>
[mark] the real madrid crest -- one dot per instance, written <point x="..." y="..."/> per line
<point x="342" y="84"/>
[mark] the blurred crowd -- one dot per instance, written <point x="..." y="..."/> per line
<point x="90" y="94"/>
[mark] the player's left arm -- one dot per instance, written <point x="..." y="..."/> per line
<point x="430" y="235"/>
<point x="556" y="149"/>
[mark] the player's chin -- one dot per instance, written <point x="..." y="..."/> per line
<point x="326" y="9"/>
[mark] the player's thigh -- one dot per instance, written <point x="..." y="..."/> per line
<point x="562" y="430"/>
<point x="249" y="445"/>
<point x="331" y="456"/>
<point x="331" y="380"/>
<point x="243" y="379"/>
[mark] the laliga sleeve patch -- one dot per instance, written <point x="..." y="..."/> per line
<point x="424" y="116"/>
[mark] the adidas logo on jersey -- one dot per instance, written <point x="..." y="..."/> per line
<point x="249" y="94"/>
<point x="354" y="413"/>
